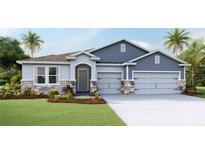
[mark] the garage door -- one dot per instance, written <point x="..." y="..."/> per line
<point x="109" y="82"/>
<point x="155" y="83"/>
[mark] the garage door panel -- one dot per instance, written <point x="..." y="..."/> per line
<point x="156" y="91"/>
<point x="141" y="85"/>
<point x="156" y="75"/>
<point x="109" y="82"/>
<point x="155" y="82"/>
<point x="174" y="81"/>
<point x="174" y="86"/>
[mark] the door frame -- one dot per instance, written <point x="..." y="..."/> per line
<point x="78" y="69"/>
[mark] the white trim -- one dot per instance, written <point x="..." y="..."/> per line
<point x="80" y="63"/>
<point x="27" y="80"/>
<point x="41" y="62"/>
<point x="95" y="58"/>
<point x="127" y="72"/>
<point x="127" y="63"/>
<point x="82" y="52"/>
<point x="108" y="64"/>
<point x="179" y="76"/>
<point x="185" y="73"/>
<point x="172" y="57"/>
<point x="138" y="46"/>
<point x="184" y="65"/>
<point x="70" y="58"/>
<point x="112" y="72"/>
<point x="46" y="75"/>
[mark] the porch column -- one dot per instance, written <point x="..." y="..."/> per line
<point x="127" y="72"/>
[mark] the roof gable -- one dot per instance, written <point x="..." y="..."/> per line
<point x="125" y="40"/>
<point x="166" y="54"/>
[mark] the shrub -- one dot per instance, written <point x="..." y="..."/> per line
<point x="52" y="93"/>
<point x="27" y="92"/>
<point x="67" y="89"/>
<point x="96" y="96"/>
<point x="9" y="89"/>
<point x="69" y="95"/>
<point x="61" y="97"/>
<point x="190" y="90"/>
<point x="41" y="94"/>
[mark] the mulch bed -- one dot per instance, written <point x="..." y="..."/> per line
<point x="24" y="97"/>
<point x="77" y="101"/>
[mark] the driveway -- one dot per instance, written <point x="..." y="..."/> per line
<point x="158" y="110"/>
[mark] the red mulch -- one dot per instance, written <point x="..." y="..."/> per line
<point x="77" y="101"/>
<point x="24" y="97"/>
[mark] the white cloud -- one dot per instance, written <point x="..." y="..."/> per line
<point x="146" y="45"/>
<point x="70" y="42"/>
<point x="197" y="33"/>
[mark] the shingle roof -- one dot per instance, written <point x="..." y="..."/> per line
<point x="55" y="58"/>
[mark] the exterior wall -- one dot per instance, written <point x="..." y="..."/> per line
<point x="28" y="77"/>
<point x="112" y="53"/>
<point x="82" y="59"/>
<point x="27" y="72"/>
<point x="111" y="69"/>
<point x="147" y="64"/>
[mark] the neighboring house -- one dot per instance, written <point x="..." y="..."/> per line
<point x="120" y="67"/>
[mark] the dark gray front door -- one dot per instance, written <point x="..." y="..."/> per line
<point x="83" y="80"/>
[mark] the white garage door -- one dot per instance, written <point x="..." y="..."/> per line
<point x="155" y="83"/>
<point x="109" y="82"/>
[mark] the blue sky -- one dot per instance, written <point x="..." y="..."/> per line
<point x="62" y="40"/>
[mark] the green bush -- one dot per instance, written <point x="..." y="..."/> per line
<point x="96" y="96"/>
<point x="52" y="93"/>
<point x="27" y="92"/>
<point x="69" y="95"/>
<point x="61" y="97"/>
<point x="10" y="89"/>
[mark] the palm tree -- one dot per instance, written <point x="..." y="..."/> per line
<point x="32" y="42"/>
<point x="177" y="40"/>
<point x="194" y="55"/>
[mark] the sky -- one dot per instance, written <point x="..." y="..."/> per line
<point x="63" y="40"/>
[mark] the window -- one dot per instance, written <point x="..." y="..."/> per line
<point x="53" y="75"/>
<point x="47" y="75"/>
<point x="40" y="75"/>
<point x="122" y="48"/>
<point x="157" y="59"/>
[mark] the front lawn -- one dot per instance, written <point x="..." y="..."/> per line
<point x="200" y="92"/>
<point x="39" y="112"/>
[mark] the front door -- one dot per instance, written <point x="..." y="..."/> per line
<point x="83" y="80"/>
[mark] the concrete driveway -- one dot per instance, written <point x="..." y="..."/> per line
<point x="158" y="110"/>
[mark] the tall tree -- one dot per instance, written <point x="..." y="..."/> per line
<point x="32" y="42"/>
<point x="10" y="52"/>
<point x="176" y="40"/>
<point x="194" y="55"/>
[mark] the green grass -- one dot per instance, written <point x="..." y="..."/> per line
<point x="200" y="92"/>
<point x="38" y="112"/>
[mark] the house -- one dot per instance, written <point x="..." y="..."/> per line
<point x="119" y="67"/>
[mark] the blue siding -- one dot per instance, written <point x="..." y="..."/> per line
<point x="147" y="64"/>
<point x="112" y="53"/>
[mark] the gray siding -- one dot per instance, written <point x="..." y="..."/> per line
<point x="112" y="53"/>
<point x="147" y="64"/>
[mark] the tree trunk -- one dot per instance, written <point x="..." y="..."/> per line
<point x="32" y="53"/>
<point x="193" y="78"/>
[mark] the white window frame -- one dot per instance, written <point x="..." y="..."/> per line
<point x="157" y="59"/>
<point x="46" y="75"/>
<point x="123" y="47"/>
<point x="36" y="75"/>
<point x="57" y="75"/>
